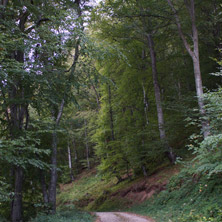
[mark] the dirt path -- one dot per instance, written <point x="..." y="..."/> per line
<point x="120" y="217"/>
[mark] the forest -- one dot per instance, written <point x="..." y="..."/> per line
<point x="121" y="88"/>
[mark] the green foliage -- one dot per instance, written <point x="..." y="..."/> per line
<point x="10" y="151"/>
<point x="37" y="43"/>
<point x="5" y="193"/>
<point x="84" y="190"/>
<point x="186" y="199"/>
<point x="208" y="152"/>
<point x="67" y="214"/>
<point x="194" y="194"/>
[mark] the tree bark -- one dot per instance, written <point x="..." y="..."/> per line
<point x="76" y="154"/>
<point x="146" y="105"/>
<point x="53" y="180"/>
<point x="111" y="113"/>
<point x="16" y="213"/>
<point x="70" y="163"/>
<point x="97" y="95"/>
<point x="18" y="111"/>
<point x="156" y="88"/>
<point x="44" y="188"/>
<point x="158" y="99"/>
<point x="194" y="54"/>
<point x="143" y="167"/>
<point x="87" y="145"/>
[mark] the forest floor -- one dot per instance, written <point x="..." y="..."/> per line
<point x="90" y="192"/>
<point x="162" y="196"/>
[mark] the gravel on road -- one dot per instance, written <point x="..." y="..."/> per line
<point x="120" y="217"/>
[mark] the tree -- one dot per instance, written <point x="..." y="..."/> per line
<point x="194" y="53"/>
<point x="36" y="46"/>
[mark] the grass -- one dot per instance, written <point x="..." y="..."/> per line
<point x="84" y="191"/>
<point x="193" y="201"/>
<point x="67" y="214"/>
<point x="91" y="192"/>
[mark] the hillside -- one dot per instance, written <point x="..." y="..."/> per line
<point x="93" y="193"/>
<point x="170" y="193"/>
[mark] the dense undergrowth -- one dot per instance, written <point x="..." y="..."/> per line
<point x="187" y="198"/>
<point x="65" y="214"/>
<point x="92" y="193"/>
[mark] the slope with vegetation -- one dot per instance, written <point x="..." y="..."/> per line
<point x="93" y="193"/>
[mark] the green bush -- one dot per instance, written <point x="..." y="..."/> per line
<point x="186" y="200"/>
<point x="68" y="214"/>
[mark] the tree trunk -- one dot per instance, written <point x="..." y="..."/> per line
<point x="111" y="113"/>
<point x="76" y="155"/>
<point x="143" y="167"/>
<point x="87" y="146"/>
<point x="199" y="90"/>
<point x="16" y="213"/>
<point x="70" y="164"/>
<point x="18" y="111"/>
<point x="158" y="99"/>
<point x="44" y="188"/>
<point x="53" y="181"/>
<point x="96" y="93"/>
<point x="156" y="88"/>
<point x="144" y="170"/>
<point x="146" y="105"/>
<point x="195" y="58"/>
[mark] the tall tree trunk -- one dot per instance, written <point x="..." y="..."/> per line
<point x="16" y="213"/>
<point x="143" y="167"/>
<point x="194" y="53"/>
<point x="158" y="99"/>
<point x="76" y="155"/>
<point x="53" y="180"/>
<point x="18" y="112"/>
<point x="44" y="188"/>
<point x="70" y="163"/>
<point x="111" y="113"/>
<point x="199" y="90"/>
<point x="87" y="145"/>
<point x="96" y="93"/>
<point x="146" y="105"/>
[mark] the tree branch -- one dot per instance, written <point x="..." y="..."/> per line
<point x="60" y="112"/>
<point x="38" y="23"/>
<point x="141" y="15"/>
<point x="186" y="44"/>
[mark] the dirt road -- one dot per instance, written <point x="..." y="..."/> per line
<point x="120" y="217"/>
